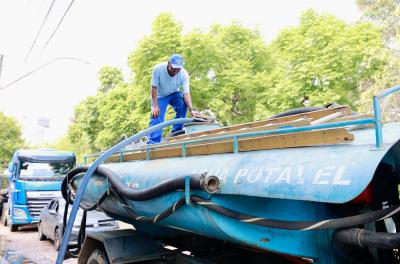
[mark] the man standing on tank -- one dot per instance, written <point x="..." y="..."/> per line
<point x="166" y="80"/>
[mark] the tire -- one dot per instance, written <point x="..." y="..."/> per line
<point x="57" y="239"/>
<point x="297" y="111"/>
<point x="98" y="256"/>
<point x="13" y="228"/>
<point x="40" y="233"/>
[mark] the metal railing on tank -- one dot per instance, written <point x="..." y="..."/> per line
<point x="377" y="121"/>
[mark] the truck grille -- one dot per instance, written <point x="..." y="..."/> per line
<point x="37" y="200"/>
<point x="35" y="205"/>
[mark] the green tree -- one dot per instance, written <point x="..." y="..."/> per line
<point x="320" y="61"/>
<point x="385" y="14"/>
<point x="243" y="60"/>
<point x="236" y="75"/>
<point x="222" y="65"/>
<point x="109" y="78"/>
<point x="102" y="120"/>
<point x="86" y="125"/>
<point x="10" y="138"/>
<point x="115" y="113"/>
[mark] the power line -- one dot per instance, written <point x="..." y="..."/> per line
<point x="54" y="32"/>
<point x="40" y="29"/>
<point x="38" y="68"/>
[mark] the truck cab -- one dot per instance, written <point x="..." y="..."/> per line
<point x="34" y="179"/>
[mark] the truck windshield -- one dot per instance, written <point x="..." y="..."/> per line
<point x="31" y="169"/>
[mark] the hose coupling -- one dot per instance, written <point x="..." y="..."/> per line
<point x="210" y="183"/>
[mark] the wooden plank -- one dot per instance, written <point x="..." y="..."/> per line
<point x="290" y="140"/>
<point x="326" y="119"/>
<point x="346" y="110"/>
<point x="355" y="117"/>
<point x="296" y="123"/>
<point x="303" y="139"/>
<point x="352" y="117"/>
<point x="310" y="138"/>
<point x="310" y="115"/>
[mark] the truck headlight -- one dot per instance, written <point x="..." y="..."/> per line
<point x="19" y="213"/>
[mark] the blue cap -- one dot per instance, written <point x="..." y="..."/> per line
<point x="176" y="61"/>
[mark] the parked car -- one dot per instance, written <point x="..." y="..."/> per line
<point x="51" y="222"/>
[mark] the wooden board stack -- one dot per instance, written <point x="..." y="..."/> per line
<point x="209" y="145"/>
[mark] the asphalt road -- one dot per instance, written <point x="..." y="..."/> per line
<point x="25" y="242"/>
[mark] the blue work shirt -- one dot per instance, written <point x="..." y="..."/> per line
<point x="166" y="84"/>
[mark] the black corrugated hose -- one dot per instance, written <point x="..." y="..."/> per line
<point x="119" y="190"/>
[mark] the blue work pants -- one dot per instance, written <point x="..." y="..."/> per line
<point x="178" y="104"/>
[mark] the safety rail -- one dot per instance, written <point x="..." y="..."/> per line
<point x="377" y="121"/>
<point x="236" y="137"/>
<point x="377" y="113"/>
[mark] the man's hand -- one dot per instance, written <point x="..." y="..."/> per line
<point x="193" y="112"/>
<point x="155" y="111"/>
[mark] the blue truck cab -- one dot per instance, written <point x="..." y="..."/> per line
<point x="34" y="179"/>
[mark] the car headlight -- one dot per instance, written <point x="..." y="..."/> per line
<point x="19" y="213"/>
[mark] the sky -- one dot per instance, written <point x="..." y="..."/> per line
<point x="97" y="33"/>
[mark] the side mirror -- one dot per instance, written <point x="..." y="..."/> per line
<point x="24" y="165"/>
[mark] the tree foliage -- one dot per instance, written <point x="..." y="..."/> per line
<point x="10" y="138"/>
<point x="109" y="78"/>
<point x="235" y="74"/>
<point x="86" y="123"/>
<point x="385" y="14"/>
<point x="320" y="61"/>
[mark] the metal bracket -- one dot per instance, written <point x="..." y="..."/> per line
<point x="235" y="145"/>
<point x="375" y="148"/>
<point x="147" y="152"/>
<point x="187" y="190"/>
<point x="183" y="150"/>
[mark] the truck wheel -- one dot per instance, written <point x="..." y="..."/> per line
<point x="98" y="256"/>
<point x="40" y="233"/>
<point x="57" y="239"/>
<point x="13" y="228"/>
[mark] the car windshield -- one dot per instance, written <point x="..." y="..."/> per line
<point x="31" y="169"/>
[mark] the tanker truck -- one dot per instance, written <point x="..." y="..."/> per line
<point x="302" y="187"/>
